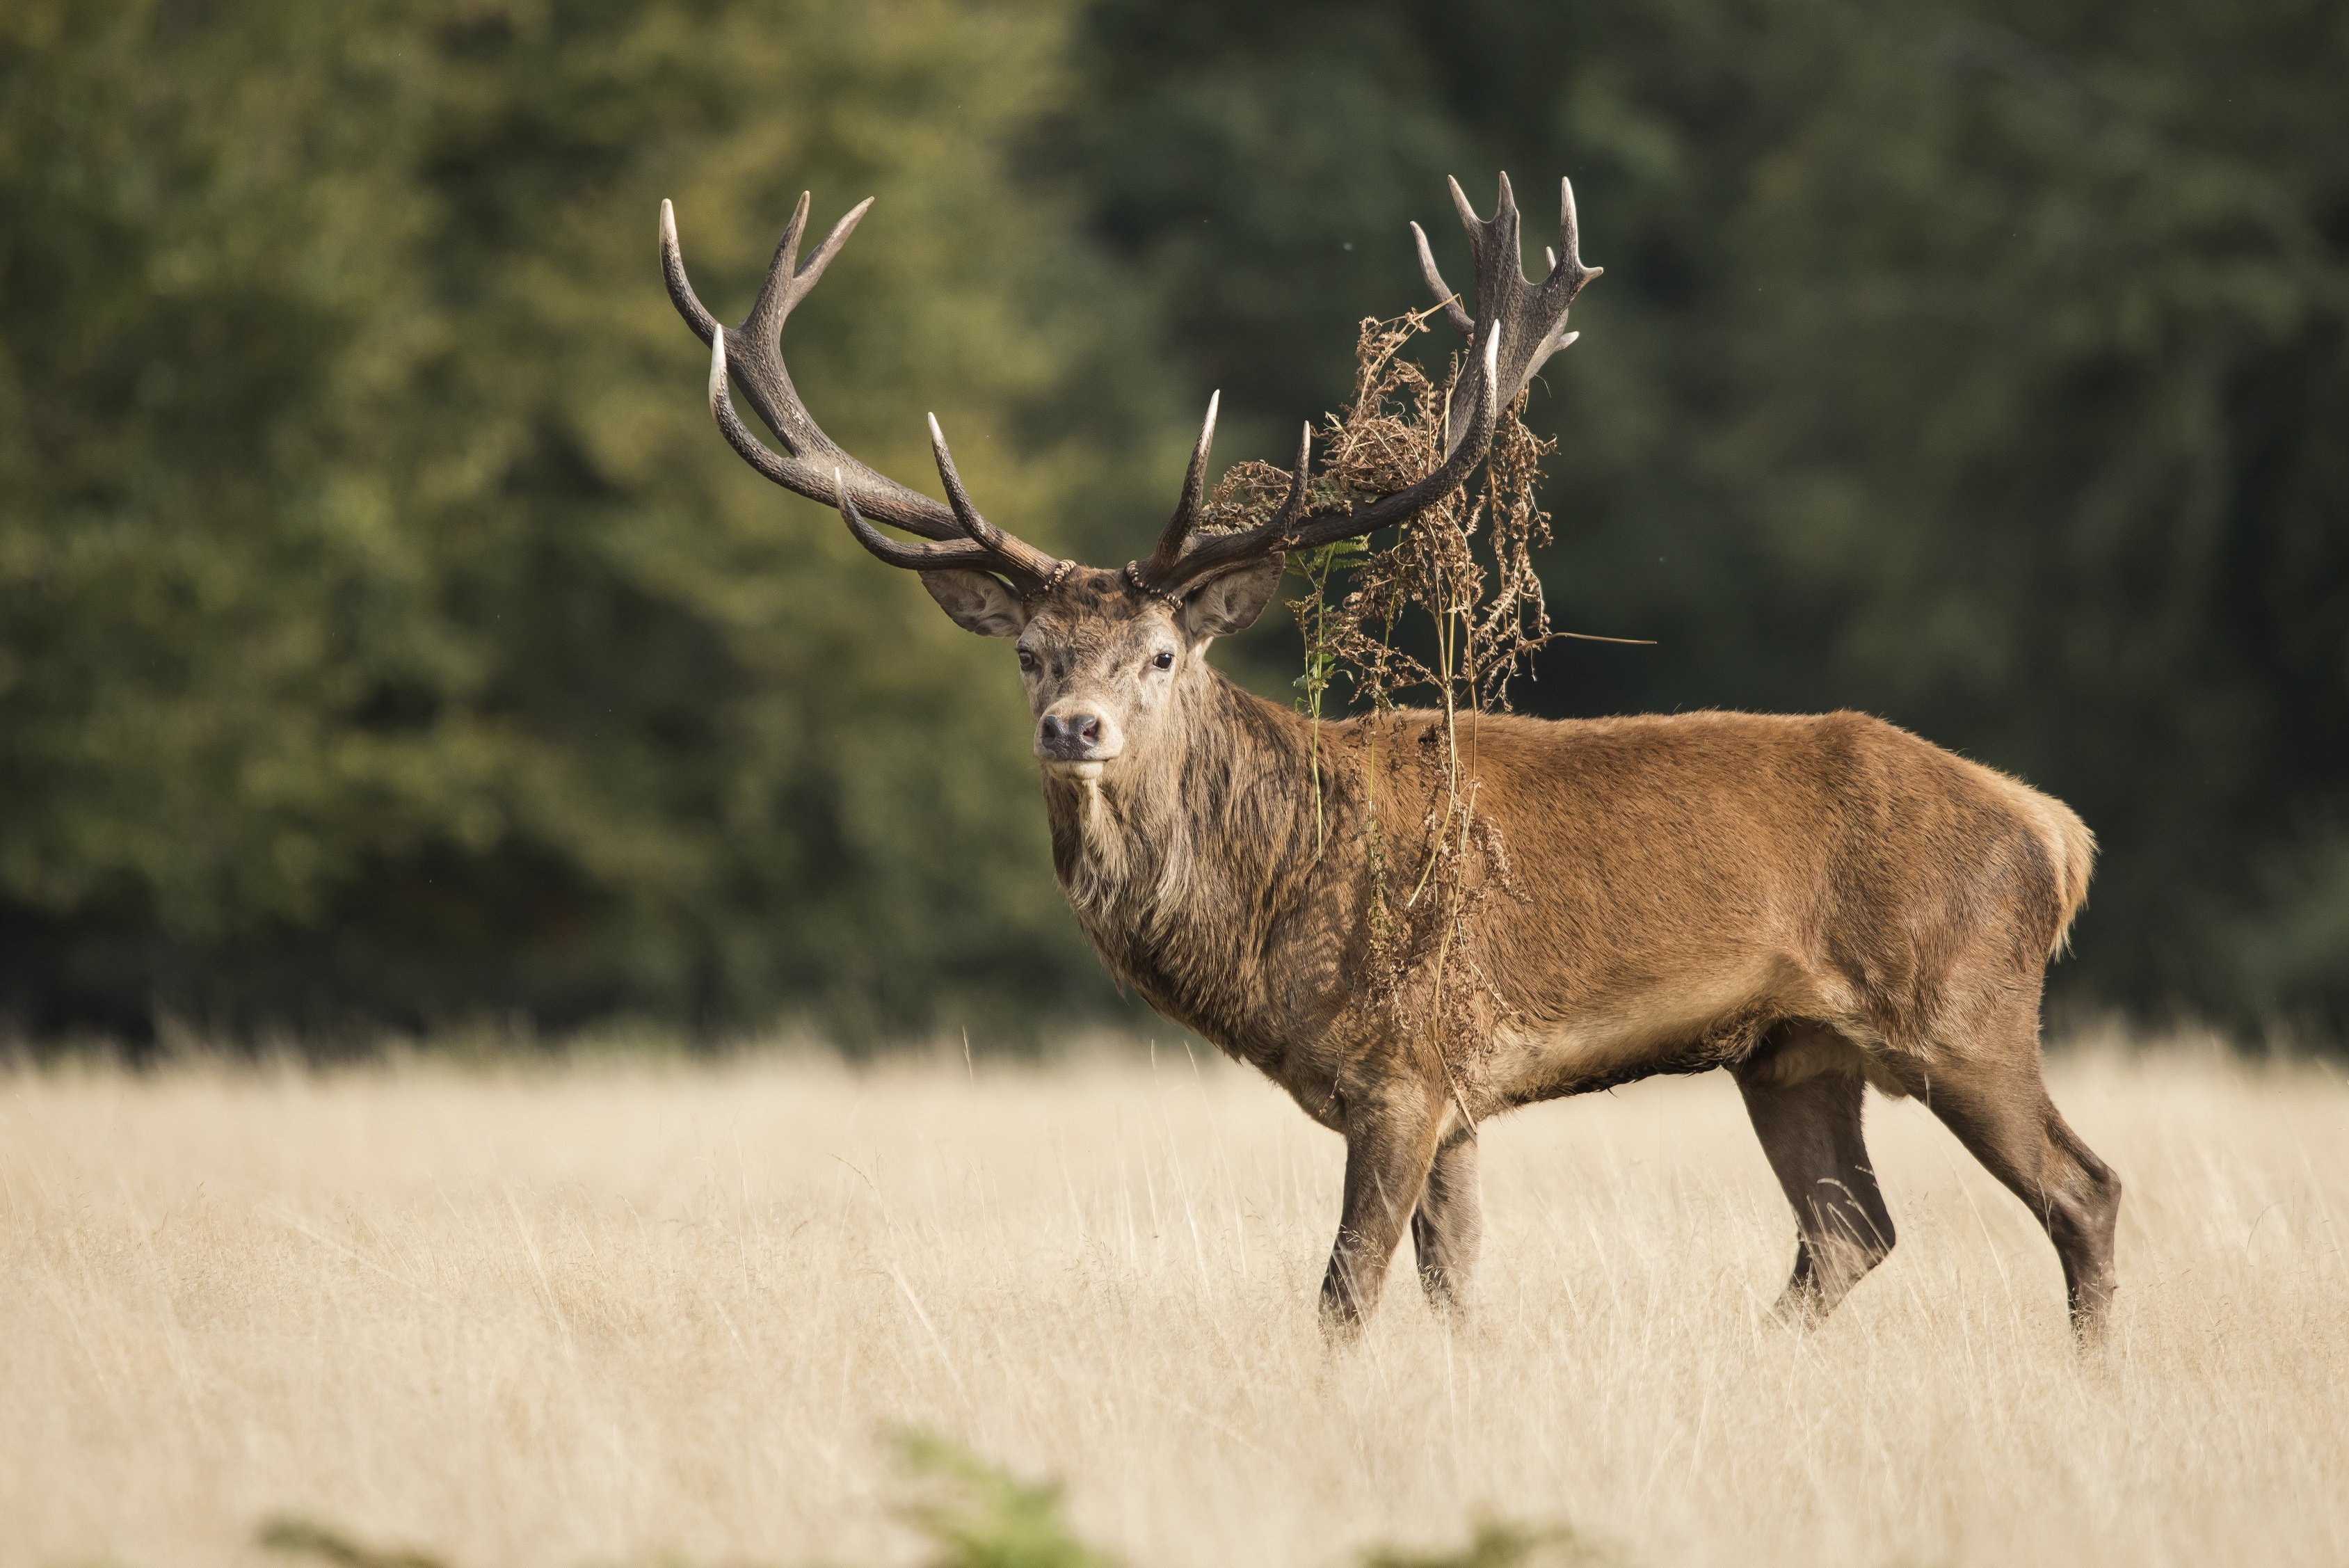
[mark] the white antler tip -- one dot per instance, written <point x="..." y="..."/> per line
<point x="716" y="365"/>
<point x="937" y="435"/>
<point x="1206" y="438"/>
<point x="667" y="222"/>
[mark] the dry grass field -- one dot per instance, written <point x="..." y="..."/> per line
<point x="631" y="1312"/>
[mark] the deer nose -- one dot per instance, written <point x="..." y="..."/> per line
<point x="1075" y="735"/>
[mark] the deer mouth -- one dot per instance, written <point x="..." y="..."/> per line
<point x="1081" y="769"/>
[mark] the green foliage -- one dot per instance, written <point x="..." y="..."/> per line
<point x="384" y="632"/>
<point x="291" y="1536"/>
<point x="1983" y="366"/>
<point x="1314" y="611"/>
<point x="1496" y="1543"/>
<point x="979" y="1516"/>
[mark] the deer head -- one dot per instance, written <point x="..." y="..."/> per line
<point x="1107" y="654"/>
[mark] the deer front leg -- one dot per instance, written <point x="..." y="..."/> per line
<point x="1448" y="1227"/>
<point x="1391" y="1137"/>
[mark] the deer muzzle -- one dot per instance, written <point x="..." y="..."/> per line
<point x="1077" y="741"/>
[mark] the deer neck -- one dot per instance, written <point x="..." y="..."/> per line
<point x="1179" y="867"/>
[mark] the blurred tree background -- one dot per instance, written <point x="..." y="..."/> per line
<point x="386" y="637"/>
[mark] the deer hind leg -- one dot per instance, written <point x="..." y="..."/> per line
<point x="1803" y="1092"/>
<point x="1390" y="1142"/>
<point x="1999" y="1108"/>
<point x="1447" y="1229"/>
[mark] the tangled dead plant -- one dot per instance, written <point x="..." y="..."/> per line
<point x="1467" y="564"/>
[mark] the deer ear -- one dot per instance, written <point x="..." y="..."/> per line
<point x="978" y="602"/>
<point x="1222" y="606"/>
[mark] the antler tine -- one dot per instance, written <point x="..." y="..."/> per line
<point x="1460" y="205"/>
<point x="1502" y="233"/>
<point x="1011" y="555"/>
<point x="967" y="556"/>
<point x="777" y="468"/>
<point x="1567" y="275"/>
<point x="1195" y="480"/>
<point x="680" y="290"/>
<point x="1292" y="505"/>
<point x="1177" y="531"/>
<point x="1570" y="240"/>
<point x="977" y="526"/>
<point x="788" y="282"/>
<point x="777" y="293"/>
<point x="807" y="276"/>
<point x="1453" y="311"/>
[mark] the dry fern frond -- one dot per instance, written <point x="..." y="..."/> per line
<point x="1466" y="563"/>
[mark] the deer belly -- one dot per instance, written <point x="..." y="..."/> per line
<point x="1687" y="1023"/>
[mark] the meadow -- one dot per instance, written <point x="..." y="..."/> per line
<point x="634" y="1310"/>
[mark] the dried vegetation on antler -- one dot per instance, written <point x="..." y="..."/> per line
<point x="1465" y="563"/>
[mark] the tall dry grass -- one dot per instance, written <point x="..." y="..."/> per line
<point x="613" y="1312"/>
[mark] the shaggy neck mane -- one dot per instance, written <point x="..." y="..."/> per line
<point x="1179" y="864"/>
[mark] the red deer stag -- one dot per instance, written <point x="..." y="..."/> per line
<point x="1814" y="903"/>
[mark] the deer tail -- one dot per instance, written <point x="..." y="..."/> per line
<point x="2072" y="849"/>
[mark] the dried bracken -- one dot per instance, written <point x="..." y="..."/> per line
<point x="1465" y="563"/>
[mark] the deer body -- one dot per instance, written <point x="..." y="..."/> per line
<point x="1683" y="883"/>
<point x="1792" y="898"/>
<point x="1814" y="904"/>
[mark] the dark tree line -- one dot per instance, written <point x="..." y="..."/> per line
<point x="1982" y="366"/>
<point x="384" y="638"/>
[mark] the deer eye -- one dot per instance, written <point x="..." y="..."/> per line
<point x="1027" y="662"/>
<point x="1164" y="661"/>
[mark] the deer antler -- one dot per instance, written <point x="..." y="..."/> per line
<point x="1195" y="482"/>
<point x="1536" y="312"/>
<point x="1517" y="325"/>
<point x="816" y="467"/>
